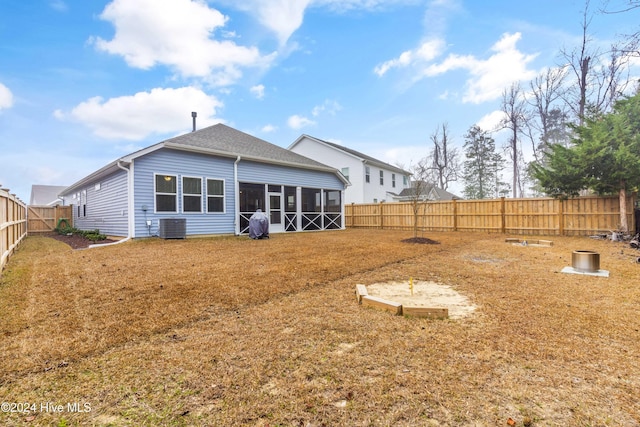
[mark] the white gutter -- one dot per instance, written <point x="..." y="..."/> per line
<point x="130" y="211"/>
<point x="236" y="186"/>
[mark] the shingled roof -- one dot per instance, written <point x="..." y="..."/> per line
<point x="427" y="190"/>
<point x="223" y="139"/>
<point x="220" y="140"/>
<point x="368" y="159"/>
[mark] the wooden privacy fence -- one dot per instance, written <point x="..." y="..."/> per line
<point x="43" y="219"/>
<point x="580" y="216"/>
<point x="13" y="224"/>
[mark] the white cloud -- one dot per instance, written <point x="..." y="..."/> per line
<point x="284" y="17"/>
<point x="436" y="16"/>
<point x="298" y="122"/>
<point x="341" y="6"/>
<point x="6" y="97"/>
<point x="490" y="122"/>
<point x="258" y="91"/>
<point x="489" y="77"/>
<point x="177" y="34"/>
<point x="269" y="128"/>
<point x="328" y="106"/>
<point x="428" y="51"/>
<point x="58" y="5"/>
<point x="135" y="117"/>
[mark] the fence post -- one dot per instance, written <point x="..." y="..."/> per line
<point x="350" y="215"/>
<point x="382" y="215"/>
<point x="455" y="215"/>
<point x="561" y="217"/>
<point x="503" y="216"/>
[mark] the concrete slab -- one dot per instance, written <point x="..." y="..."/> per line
<point x="598" y="273"/>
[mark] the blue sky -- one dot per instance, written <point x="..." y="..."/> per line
<point x="85" y="82"/>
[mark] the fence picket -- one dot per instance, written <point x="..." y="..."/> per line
<point x="13" y="224"/>
<point x="580" y="216"/>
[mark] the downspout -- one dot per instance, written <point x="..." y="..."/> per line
<point x="364" y="181"/>
<point x="130" y="213"/>
<point x="236" y="186"/>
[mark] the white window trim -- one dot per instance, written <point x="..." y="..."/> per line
<point x="183" y="194"/>
<point x="224" y="195"/>
<point x="83" y="204"/>
<point x="156" y="193"/>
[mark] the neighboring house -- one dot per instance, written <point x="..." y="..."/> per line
<point x="213" y="179"/>
<point x="371" y="179"/>
<point x="427" y="192"/>
<point x="46" y="195"/>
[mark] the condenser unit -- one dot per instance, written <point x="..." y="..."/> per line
<point x="173" y="228"/>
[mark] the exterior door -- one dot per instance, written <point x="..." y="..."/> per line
<point x="275" y="212"/>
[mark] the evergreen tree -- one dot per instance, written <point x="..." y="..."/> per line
<point x="482" y="166"/>
<point x="604" y="157"/>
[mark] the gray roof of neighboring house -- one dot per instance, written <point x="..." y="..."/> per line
<point x="428" y="188"/>
<point x="45" y="195"/>
<point x="217" y="140"/>
<point x="366" y="158"/>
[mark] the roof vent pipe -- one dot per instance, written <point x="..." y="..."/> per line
<point x="194" y="115"/>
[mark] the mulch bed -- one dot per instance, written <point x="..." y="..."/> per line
<point x="77" y="241"/>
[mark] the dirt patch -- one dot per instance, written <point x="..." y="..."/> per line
<point x="421" y="240"/>
<point x="425" y="294"/>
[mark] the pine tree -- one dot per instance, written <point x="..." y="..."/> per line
<point x="482" y="166"/>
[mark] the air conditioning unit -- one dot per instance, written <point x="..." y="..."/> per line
<point x="173" y="228"/>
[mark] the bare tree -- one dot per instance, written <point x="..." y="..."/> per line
<point x="443" y="161"/>
<point x="546" y="90"/>
<point x="611" y="80"/>
<point x="419" y="184"/>
<point x="578" y="61"/>
<point x="599" y="81"/>
<point x="516" y="119"/>
<point x="630" y="43"/>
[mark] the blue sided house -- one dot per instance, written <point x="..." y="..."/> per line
<point x="208" y="182"/>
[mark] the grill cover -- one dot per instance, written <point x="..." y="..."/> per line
<point x="259" y="225"/>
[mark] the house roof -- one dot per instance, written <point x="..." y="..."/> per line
<point x="219" y="140"/>
<point x="222" y="139"/>
<point x="45" y="195"/>
<point x="366" y="158"/>
<point x="428" y="189"/>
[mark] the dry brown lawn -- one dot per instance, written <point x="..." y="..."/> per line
<point x="234" y="332"/>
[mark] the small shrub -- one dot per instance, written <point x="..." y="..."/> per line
<point x="93" y="235"/>
<point x="65" y="229"/>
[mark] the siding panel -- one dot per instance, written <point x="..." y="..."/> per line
<point x="106" y="206"/>
<point x="255" y="172"/>
<point x="179" y="163"/>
